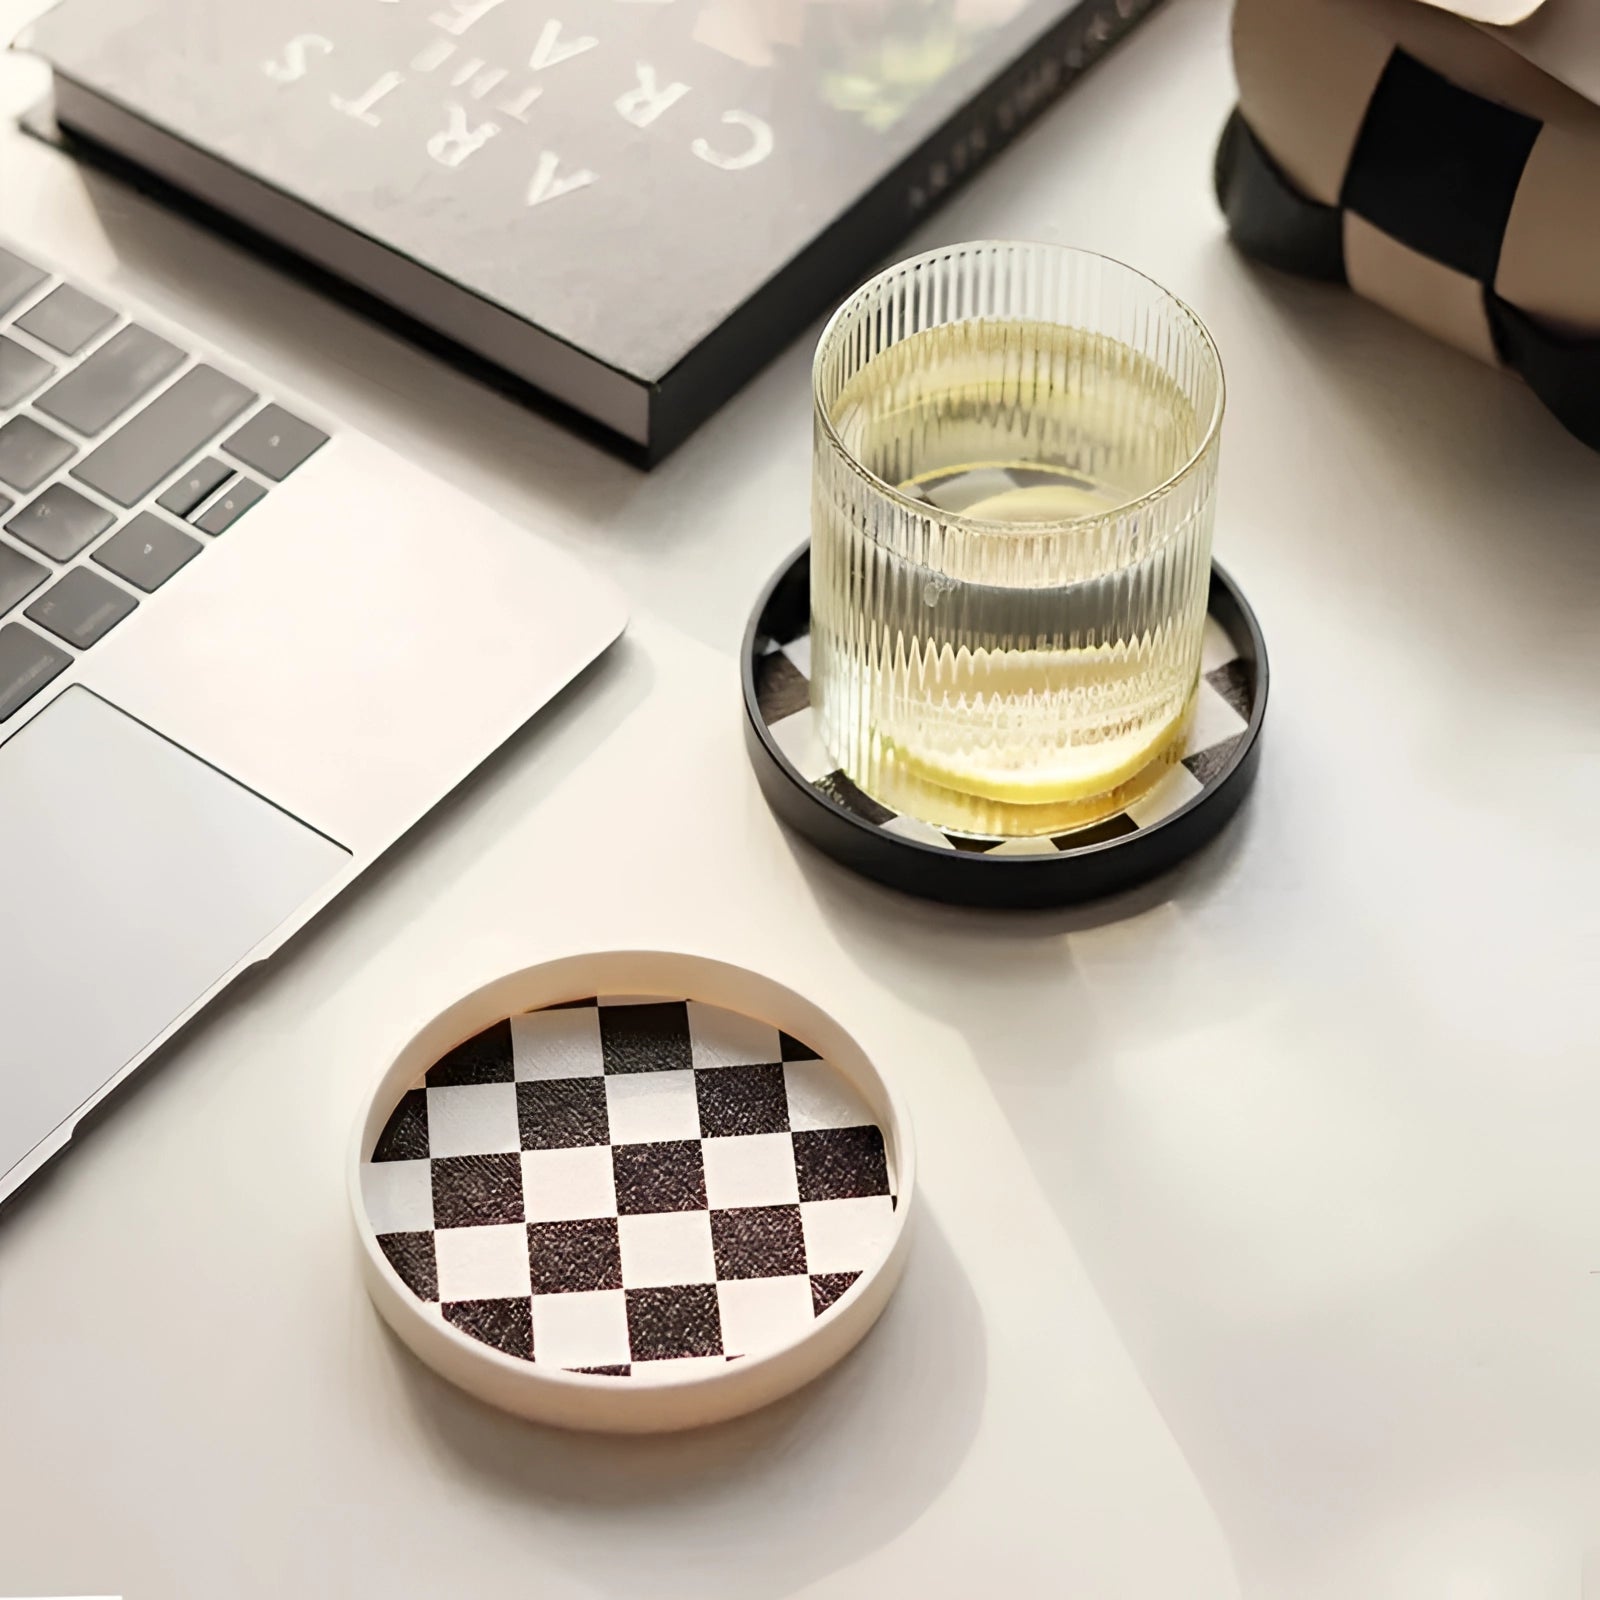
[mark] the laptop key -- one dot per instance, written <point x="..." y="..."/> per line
<point x="275" y="442"/>
<point x="60" y="522"/>
<point x="123" y="370"/>
<point x="152" y="444"/>
<point x="27" y="664"/>
<point x="147" y="552"/>
<point x="81" y="608"/>
<point x="221" y="514"/>
<point x="19" y="577"/>
<point x="67" y="319"/>
<point x="17" y="278"/>
<point x="197" y="484"/>
<point x="21" y="371"/>
<point x="29" y="453"/>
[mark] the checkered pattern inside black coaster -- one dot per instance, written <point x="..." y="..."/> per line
<point x="633" y="1187"/>
<point x="1221" y="717"/>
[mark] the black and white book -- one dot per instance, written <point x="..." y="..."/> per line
<point x="629" y="204"/>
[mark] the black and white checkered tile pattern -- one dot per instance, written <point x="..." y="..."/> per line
<point x="634" y="1187"/>
<point x="1221" y="717"/>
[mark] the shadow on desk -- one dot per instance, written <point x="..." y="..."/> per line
<point x="1416" y="488"/>
<point x="753" y="1509"/>
<point x="1057" y="1008"/>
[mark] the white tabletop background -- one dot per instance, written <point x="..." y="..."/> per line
<point x="1260" y="1245"/>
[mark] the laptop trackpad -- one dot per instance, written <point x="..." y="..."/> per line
<point x="132" y="877"/>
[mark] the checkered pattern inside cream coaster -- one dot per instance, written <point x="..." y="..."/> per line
<point x="631" y="1186"/>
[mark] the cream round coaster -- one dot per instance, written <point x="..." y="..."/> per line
<point x="632" y="1191"/>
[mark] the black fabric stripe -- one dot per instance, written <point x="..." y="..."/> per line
<point x="1437" y="167"/>
<point x="1268" y="217"/>
<point x="1563" y="372"/>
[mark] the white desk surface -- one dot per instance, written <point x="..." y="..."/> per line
<point x="1260" y="1253"/>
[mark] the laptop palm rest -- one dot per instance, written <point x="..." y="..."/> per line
<point x="132" y="878"/>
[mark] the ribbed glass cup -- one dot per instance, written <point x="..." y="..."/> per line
<point x="1014" y="473"/>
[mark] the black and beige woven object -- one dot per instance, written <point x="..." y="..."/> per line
<point x="1427" y="162"/>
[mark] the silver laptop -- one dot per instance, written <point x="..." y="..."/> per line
<point x="242" y="650"/>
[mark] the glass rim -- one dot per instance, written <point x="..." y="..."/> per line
<point x="922" y="508"/>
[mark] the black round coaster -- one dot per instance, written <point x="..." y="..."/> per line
<point x="1186" y="809"/>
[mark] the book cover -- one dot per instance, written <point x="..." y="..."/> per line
<point x="663" y="190"/>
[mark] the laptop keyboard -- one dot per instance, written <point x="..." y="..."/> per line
<point x="121" y="459"/>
